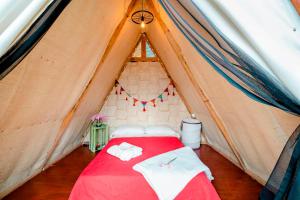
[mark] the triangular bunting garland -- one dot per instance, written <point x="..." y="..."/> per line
<point x="120" y="90"/>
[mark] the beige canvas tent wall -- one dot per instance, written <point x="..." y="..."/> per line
<point x="251" y="133"/>
<point x="46" y="101"/>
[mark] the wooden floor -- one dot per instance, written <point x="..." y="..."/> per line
<point x="230" y="182"/>
<point x="56" y="182"/>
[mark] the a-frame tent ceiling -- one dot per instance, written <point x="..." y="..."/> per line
<point x="46" y="101"/>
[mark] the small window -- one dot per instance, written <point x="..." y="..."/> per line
<point x="138" y="51"/>
<point x="144" y="52"/>
<point x="149" y="52"/>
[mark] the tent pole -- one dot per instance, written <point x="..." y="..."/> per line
<point x="69" y="116"/>
<point x="117" y="78"/>
<point x="220" y="124"/>
<point x="127" y="60"/>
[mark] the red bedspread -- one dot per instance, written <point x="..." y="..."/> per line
<point x="107" y="177"/>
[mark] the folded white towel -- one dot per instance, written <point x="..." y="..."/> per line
<point x="170" y="172"/>
<point x="125" y="151"/>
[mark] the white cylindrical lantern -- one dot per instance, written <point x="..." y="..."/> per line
<point x="191" y="132"/>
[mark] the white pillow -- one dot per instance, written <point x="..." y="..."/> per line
<point x="160" y="130"/>
<point x="128" y="131"/>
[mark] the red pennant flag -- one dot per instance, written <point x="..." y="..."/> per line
<point x="167" y="90"/>
<point x="135" y="101"/>
<point x="121" y="90"/>
<point x="153" y="102"/>
<point x="116" y="83"/>
<point x="172" y="84"/>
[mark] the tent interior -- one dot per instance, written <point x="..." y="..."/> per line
<point x="70" y="74"/>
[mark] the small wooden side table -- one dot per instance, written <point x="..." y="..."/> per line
<point x="98" y="136"/>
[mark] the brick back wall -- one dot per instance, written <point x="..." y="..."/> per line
<point x="145" y="81"/>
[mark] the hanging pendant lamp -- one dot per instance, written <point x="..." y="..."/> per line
<point x="142" y="16"/>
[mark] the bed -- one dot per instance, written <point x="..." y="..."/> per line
<point x="106" y="177"/>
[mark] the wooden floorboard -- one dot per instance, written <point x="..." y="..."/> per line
<point x="230" y="182"/>
<point x="56" y="182"/>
